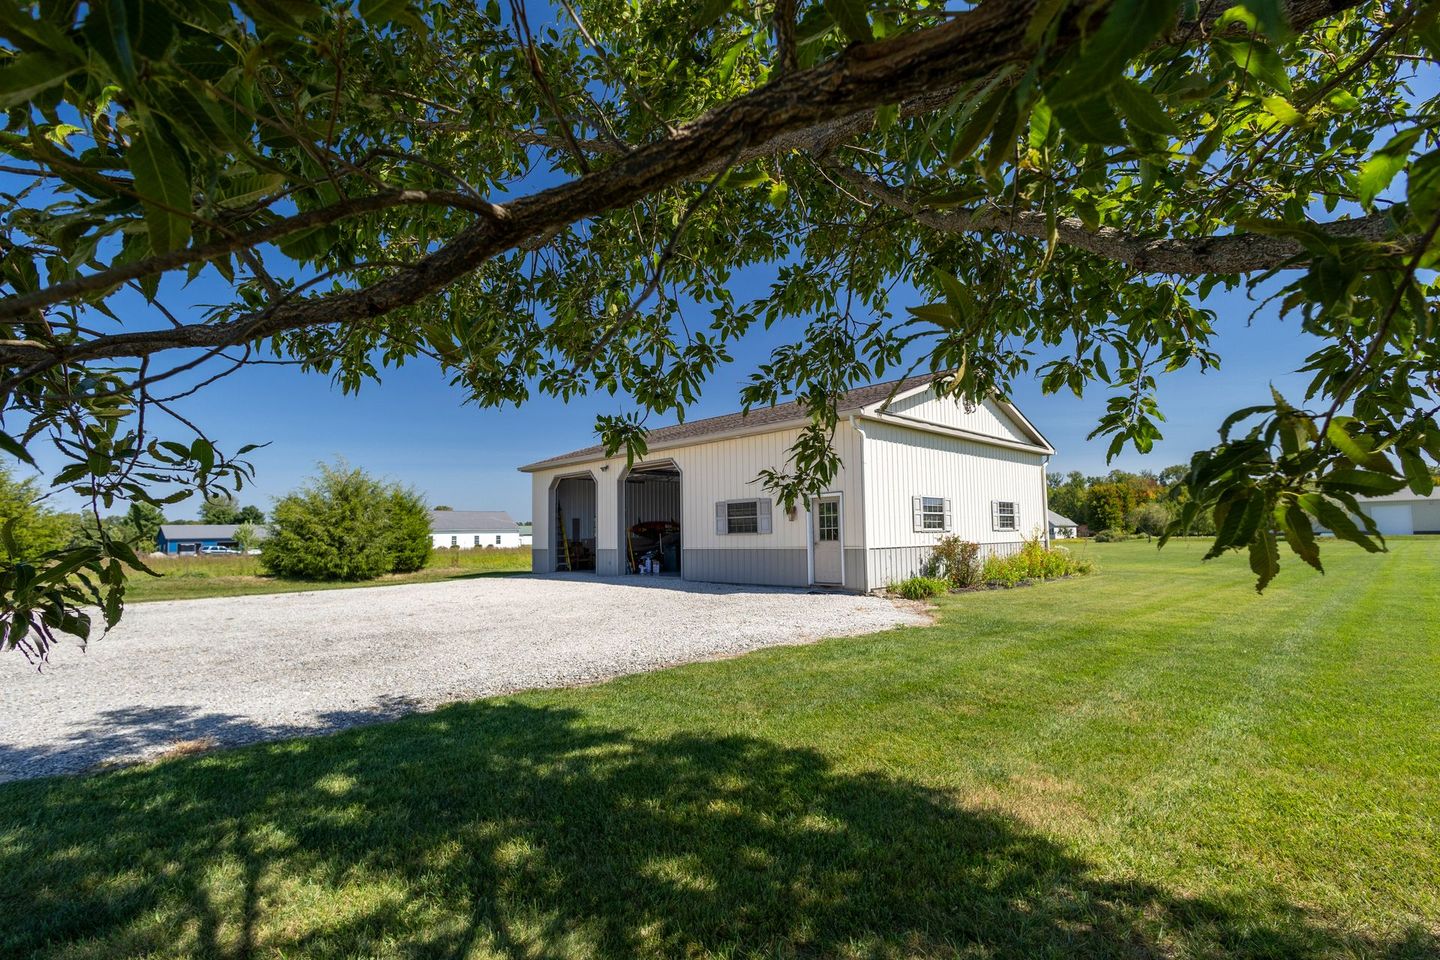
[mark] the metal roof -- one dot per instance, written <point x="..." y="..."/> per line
<point x="765" y="419"/>
<point x="471" y="521"/>
<point x="1058" y="521"/>
<point x="204" y="531"/>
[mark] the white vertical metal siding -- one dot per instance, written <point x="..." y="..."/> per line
<point x="986" y="418"/>
<point x="901" y="463"/>
<point x="467" y="540"/>
<point x="710" y="472"/>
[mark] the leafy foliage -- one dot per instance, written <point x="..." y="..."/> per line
<point x="225" y="509"/>
<point x="344" y="525"/>
<point x="408" y="530"/>
<point x="247" y="536"/>
<point x="955" y="561"/>
<point x="920" y="587"/>
<point x="1110" y="505"/>
<point x="1033" y="561"/>
<point x="1073" y="175"/>
<point x="32" y="529"/>
<point x="1152" y="519"/>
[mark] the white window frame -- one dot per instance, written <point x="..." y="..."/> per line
<point x="764" y="517"/>
<point x="497" y="540"/>
<point x="998" y="517"/>
<point x="477" y="539"/>
<point x="454" y="540"/>
<point x="923" y="509"/>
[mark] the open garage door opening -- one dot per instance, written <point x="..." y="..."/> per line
<point x="573" y="502"/>
<point x="650" y="526"/>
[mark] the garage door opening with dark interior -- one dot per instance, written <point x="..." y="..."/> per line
<point x="575" y="502"/>
<point x="651" y="508"/>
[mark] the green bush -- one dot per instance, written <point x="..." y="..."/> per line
<point x="920" y="588"/>
<point x="344" y="525"/>
<point x="955" y="561"/>
<point x="1033" y="561"/>
<point x="1110" y="536"/>
<point x="409" y="530"/>
<point x="36" y="529"/>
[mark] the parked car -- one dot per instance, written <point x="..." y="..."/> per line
<point x="214" y="550"/>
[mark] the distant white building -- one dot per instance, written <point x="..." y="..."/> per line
<point x="1061" y="527"/>
<point x="527" y="534"/>
<point x="1403" y="513"/>
<point x="468" y="529"/>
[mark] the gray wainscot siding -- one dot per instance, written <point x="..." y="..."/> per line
<point x="607" y="562"/>
<point x="539" y="559"/>
<point x="855" y="569"/>
<point x="787" y="568"/>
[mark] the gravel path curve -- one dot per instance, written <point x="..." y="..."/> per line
<point x="241" y="669"/>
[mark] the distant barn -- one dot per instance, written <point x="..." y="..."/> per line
<point x="468" y="529"/>
<point x="179" y="539"/>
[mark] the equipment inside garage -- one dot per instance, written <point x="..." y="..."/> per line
<point x="652" y="521"/>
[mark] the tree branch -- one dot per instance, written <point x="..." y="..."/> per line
<point x="1228" y="254"/>
<point x="820" y="106"/>
<point x="16" y="306"/>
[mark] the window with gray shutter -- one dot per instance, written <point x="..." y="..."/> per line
<point x="931" y="514"/>
<point x="744" y="516"/>
<point x="1004" y="515"/>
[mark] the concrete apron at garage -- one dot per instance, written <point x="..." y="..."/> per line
<point x="238" y="670"/>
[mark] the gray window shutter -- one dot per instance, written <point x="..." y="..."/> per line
<point x="917" y="508"/>
<point x="994" y="514"/>
<point x="762" y="515"/>
<point x="949" y="515"/>
<point x="720" y="524"/>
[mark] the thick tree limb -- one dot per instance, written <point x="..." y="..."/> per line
<point x="1228" y="254"/>
<point x="17" y="306"/>
<point x="811" y="108"/>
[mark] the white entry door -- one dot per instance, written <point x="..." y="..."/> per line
<point x="1392" y="518"/>
<point x="827" y="540"/>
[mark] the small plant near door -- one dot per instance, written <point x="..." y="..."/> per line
<point x="920" y="588"/>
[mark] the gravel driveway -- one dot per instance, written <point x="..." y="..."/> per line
<point x="242" y="669"/>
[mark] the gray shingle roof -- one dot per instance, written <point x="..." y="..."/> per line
<point x="758" y="417"/>
<point x="1056" y="520"/>
<point x="471" y="521"/>
<point x="203" y="531"/>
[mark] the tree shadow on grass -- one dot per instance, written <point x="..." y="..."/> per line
<point x="123" y="736"/>
<point x="499" y="829"/>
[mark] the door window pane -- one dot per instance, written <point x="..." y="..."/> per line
<point x="828" y="520"/>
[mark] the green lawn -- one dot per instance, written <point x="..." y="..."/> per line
<point x="1149" y="762"/>
<point x="189" y="578"/>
